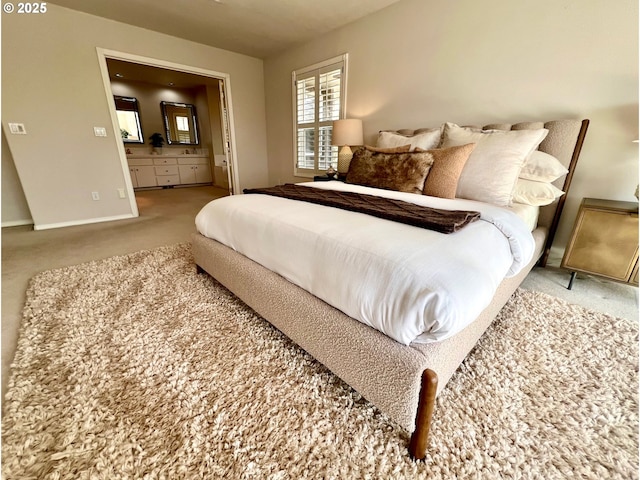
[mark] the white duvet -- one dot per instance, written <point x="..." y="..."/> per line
<point x="412" y="284"/>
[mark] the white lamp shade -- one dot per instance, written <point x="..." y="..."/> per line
<point x="347" y="132"/>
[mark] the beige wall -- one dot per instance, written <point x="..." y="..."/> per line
<point x="213" y="107"/>
<point x="419" y="63"/>
<point x="149" y="97"/>
<point x="15" y="210"/>
<point x="50" y="65"/>
<point x="201" y="104"/>
<point x="220" y="174"/>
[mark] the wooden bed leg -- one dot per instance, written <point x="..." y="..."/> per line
<point x="426" y="404"/>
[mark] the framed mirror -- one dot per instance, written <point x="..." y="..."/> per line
<point x="129" y="119"/>
<point x="180" y="123"/>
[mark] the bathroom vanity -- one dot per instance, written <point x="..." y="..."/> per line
<point x="169" y="170"/>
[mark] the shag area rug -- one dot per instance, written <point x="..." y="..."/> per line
<point x="137" y="367"/>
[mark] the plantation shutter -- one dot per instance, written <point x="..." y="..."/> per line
<point x="319" y="100"/>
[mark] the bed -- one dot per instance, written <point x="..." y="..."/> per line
<point x="313" y="292"/>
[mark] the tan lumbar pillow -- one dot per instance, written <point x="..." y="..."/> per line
<point x="448" y="163"/>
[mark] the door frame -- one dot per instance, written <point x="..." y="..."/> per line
<point x="103" y="54"/>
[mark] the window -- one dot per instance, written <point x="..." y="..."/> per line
<point x="318" y="100"/>
<point x="182" y="123"/>
<point x="128" y="119"/>
<point x="182" y="128"/>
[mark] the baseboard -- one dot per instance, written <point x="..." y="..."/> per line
<point x="47" y="226"/>
<point x="16" y="223"/>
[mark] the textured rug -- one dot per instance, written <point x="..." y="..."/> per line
<point x="137" y="367"/>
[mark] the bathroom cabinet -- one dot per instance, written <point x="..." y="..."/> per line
<point x="142" y="175"/>
<point x="194" y="170"/>
<point x="162" y="171"/>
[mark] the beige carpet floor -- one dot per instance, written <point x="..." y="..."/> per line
<point x="137" y="367"/>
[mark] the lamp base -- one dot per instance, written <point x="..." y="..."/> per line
<point x="344" y="159"/>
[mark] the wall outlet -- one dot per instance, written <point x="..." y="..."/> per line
<point x="100" y="131"/>
<point x="17" y="129"/>
<point x="95" y="195"/>
<point x="121" y="193"/>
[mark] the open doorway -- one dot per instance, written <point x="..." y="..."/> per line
<point x="147" y="97"/>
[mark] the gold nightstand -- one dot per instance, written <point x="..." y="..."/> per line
<point x="604" y="241"/>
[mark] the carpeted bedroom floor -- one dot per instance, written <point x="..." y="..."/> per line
<point x="166" y="219"/>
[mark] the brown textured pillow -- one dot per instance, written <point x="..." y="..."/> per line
<point x="403" y="172"/>
<point x="446" y="169"/>
<point x="401" y="149"/>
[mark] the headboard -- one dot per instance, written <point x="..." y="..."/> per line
<point x="564" y="141"/>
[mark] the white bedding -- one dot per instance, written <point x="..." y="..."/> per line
<point x="412" y="284"/>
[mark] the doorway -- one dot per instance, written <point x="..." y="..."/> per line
<point x="159" y="82"/>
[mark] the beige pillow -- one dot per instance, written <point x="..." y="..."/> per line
<point x="401" y="149"/>
<point x="542" y="167"/>
<point x="403" y="172"/>
<point x="424" y="140"/>
<point x="448" y="163"/>
<point x="535" y="193"/>
<point x="493" y="167"/>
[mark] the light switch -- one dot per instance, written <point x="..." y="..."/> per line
<point x="100" y="131"/>
<point x="17" y="129"/>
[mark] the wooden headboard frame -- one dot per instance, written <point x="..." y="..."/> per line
<point x="564" y="141"/>
<point x="582" y="132"/>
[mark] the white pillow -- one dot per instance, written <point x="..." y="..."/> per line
<point x="425" y="140"/>
<point x="535" y="193"/>
<point x="493" y="167"/>
<point x="542" y="167"/>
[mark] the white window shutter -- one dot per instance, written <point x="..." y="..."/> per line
<point x="318" y="95"/>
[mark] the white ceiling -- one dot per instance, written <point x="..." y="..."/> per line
<point x="258" y="28"/>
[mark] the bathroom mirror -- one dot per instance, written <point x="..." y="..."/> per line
<point x="180" y="123"/>
<point x="129" y="119"/>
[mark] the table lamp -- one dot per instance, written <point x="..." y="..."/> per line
<point x="346" y="133"/>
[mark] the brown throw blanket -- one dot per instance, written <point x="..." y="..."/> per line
<point x="439" y="220"/>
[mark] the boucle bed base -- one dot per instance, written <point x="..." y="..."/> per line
<point x="385" y="372"/>
<point x="402" y="381"/>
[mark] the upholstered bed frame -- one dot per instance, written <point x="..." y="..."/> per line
<point x="402" y="381"/>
